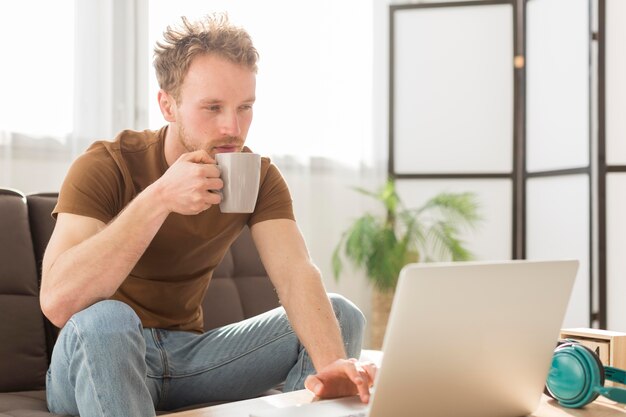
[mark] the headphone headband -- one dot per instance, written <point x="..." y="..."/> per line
<point x="615" y="374"/>
<point x="612" y="393"/>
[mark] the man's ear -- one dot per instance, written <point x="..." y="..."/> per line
<point x="167" y="104"/>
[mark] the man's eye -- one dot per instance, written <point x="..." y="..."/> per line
<point x="246" y="107"/>
<point x="213" y="108"/>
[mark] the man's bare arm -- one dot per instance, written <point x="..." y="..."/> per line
<point x="302" y="293"/>
<point x="86" y="260"/>
<point x="300" y="289"/>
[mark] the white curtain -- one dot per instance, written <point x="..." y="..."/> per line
<point x="36" y="110"/>
<point x="69" y="79"/>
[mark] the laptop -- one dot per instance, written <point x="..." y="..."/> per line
<point x="464" y="339"/>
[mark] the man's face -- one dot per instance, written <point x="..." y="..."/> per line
<point x="214" y="108"/>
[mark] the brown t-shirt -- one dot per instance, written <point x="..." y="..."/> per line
<point x="167" y="286"/>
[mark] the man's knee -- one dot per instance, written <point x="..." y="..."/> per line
<point x="351" y="321"/>
<point x="106" y="318"/>
<point x="100" y="345"/>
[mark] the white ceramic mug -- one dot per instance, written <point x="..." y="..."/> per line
<point x="241" y="173"/>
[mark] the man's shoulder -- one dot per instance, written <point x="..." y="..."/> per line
<point x="131" y="141"/>
<point x="131" y="152"/>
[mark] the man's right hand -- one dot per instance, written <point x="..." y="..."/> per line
<point x="191" y="184"/>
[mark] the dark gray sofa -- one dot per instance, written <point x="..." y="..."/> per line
<point x="240" y="289"/>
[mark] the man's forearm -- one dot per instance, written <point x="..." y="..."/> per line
<point x="93" y="270"/>
<point x="313" y="319"/>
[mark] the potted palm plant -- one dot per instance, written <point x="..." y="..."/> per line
<point x="382" y="245"/>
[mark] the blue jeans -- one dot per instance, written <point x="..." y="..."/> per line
<point x="106" y="363"/>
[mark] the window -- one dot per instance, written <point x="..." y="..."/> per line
<point x="37" y="75"/>
<point x="37" y="106"/>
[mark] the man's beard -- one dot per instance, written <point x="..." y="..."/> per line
<point x="184" y="140"/>
<point x="190" y="146"/>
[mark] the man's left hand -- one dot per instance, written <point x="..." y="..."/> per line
<point x="342" y="378"/>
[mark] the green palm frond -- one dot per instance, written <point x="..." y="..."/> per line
<point x="461" y="208"/>
<point x="446" y="244"/>
<point x="382" y="246"/>
<point x="387" y="195"/>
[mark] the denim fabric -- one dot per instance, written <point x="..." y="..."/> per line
<point x="105" y="364"/>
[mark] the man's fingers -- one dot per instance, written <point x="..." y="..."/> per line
<point x="211" y="171"/>
<point x="204" y="165"/>
<point x="363" y="375"/>
<point x="362" y="384"/>
<point x="213" y="184"/>
<point x="343" y="377"/>
<point x="358" y="373"/>
<point x="314" y="384"/>
<point x="359" y="378"/>
<point x="213" y="198"/>
<point x="370" y="369"/>
<point x="200" y="156"/>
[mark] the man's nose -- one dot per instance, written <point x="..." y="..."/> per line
<point x="230" y="124"/>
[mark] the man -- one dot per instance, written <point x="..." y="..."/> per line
<point x="137" y="237"/>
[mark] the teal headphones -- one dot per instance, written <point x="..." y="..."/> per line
<point x="577" y="376"/>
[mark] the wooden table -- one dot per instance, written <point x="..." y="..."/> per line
<point x="547" y="408"/>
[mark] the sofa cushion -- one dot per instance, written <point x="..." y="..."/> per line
<point x="40" y="208"/>
<point x="240" y="287"/>
<point x="23" y="344"/>
<point x="256" y="291"/>
<point x="24" y="404"/>
<point x="222" y="304"/>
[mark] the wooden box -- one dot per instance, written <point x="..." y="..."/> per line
<point x="610" y="346"/>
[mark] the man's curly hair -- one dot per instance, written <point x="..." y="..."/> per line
<point x="214" y="35"/>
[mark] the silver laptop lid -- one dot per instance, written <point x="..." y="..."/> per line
<point x="472" y="338"/>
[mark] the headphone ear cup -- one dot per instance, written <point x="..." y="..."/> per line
<point x="575" y="372"/>
<point x="559" y="343"/>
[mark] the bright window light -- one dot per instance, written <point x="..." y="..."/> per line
<point x="314" y="85"/>
<point x="37" y="69"/>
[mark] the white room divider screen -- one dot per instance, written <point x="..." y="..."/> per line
<point x="558" y="141"/>
<point x="612" y="159"/>
<point x="494" y="97"/>
<point x="452" y="110"/>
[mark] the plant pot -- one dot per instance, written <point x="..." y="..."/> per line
<point x="381" y="307"/>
